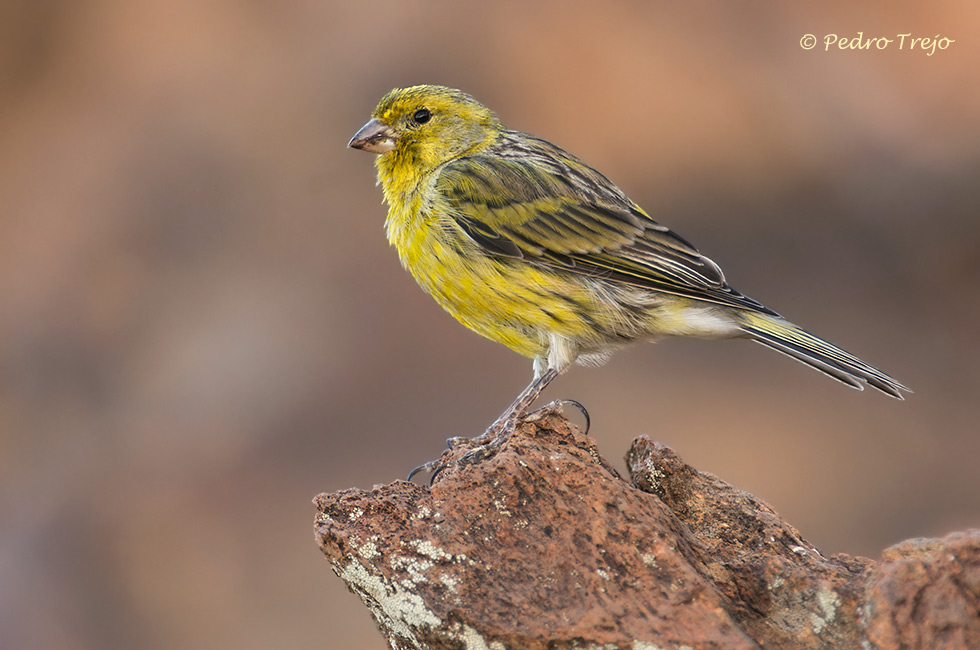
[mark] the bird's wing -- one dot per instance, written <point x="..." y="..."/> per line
<point x="526" y="198"/>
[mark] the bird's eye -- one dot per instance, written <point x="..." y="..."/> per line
<point x="421" y="116"/>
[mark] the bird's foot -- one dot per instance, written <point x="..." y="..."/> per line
<point x="558" y="408"/>
<point x="460" y="441"/>
<point x="487" y="444"/>
<point x="492" y="439"/>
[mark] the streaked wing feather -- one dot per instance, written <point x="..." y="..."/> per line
<point x="527" y="198"/>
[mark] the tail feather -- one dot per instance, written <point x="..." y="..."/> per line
<point x="822" y="355"/>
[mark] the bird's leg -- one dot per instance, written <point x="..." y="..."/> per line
<point x="561" y="353"/>
<point x="508" y="420"/>
<point x="499" y="431"/>
<point x="490" y="440"/>
<point x="505" y="424"/>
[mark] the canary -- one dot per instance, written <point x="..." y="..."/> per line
<point x="527" y="245"/>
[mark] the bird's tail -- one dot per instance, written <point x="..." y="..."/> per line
<point x="781" y="335"/>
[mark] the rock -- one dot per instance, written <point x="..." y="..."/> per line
<point x="544" y="545"/>
<point x="926" y="594"/>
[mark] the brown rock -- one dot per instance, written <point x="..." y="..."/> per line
<point x="544" y="545"/>
<point x="926" y="594"/>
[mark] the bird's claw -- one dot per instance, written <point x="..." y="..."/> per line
<point x="434" y="467"/>
<point x="486" y="446"/>
<point x="428" y="467"/>
<point x="557" y="406"/>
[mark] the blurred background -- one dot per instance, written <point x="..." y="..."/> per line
<point x="202" y="325"/>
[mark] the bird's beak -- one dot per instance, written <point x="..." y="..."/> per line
<point x="375" y="137"/>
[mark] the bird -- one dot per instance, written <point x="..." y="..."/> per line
<point x="527" y="245"/>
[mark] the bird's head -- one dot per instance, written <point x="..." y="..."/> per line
<point x="425" y="126"/>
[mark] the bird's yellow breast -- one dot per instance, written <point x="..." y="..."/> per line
<point x="509" y="301"/>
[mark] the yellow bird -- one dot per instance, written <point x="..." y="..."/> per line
<point x="527" y="245"/>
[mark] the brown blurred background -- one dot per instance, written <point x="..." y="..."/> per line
<point x="202" y="325"/>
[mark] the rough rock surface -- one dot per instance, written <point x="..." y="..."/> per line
<point x="545" y="546"/>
